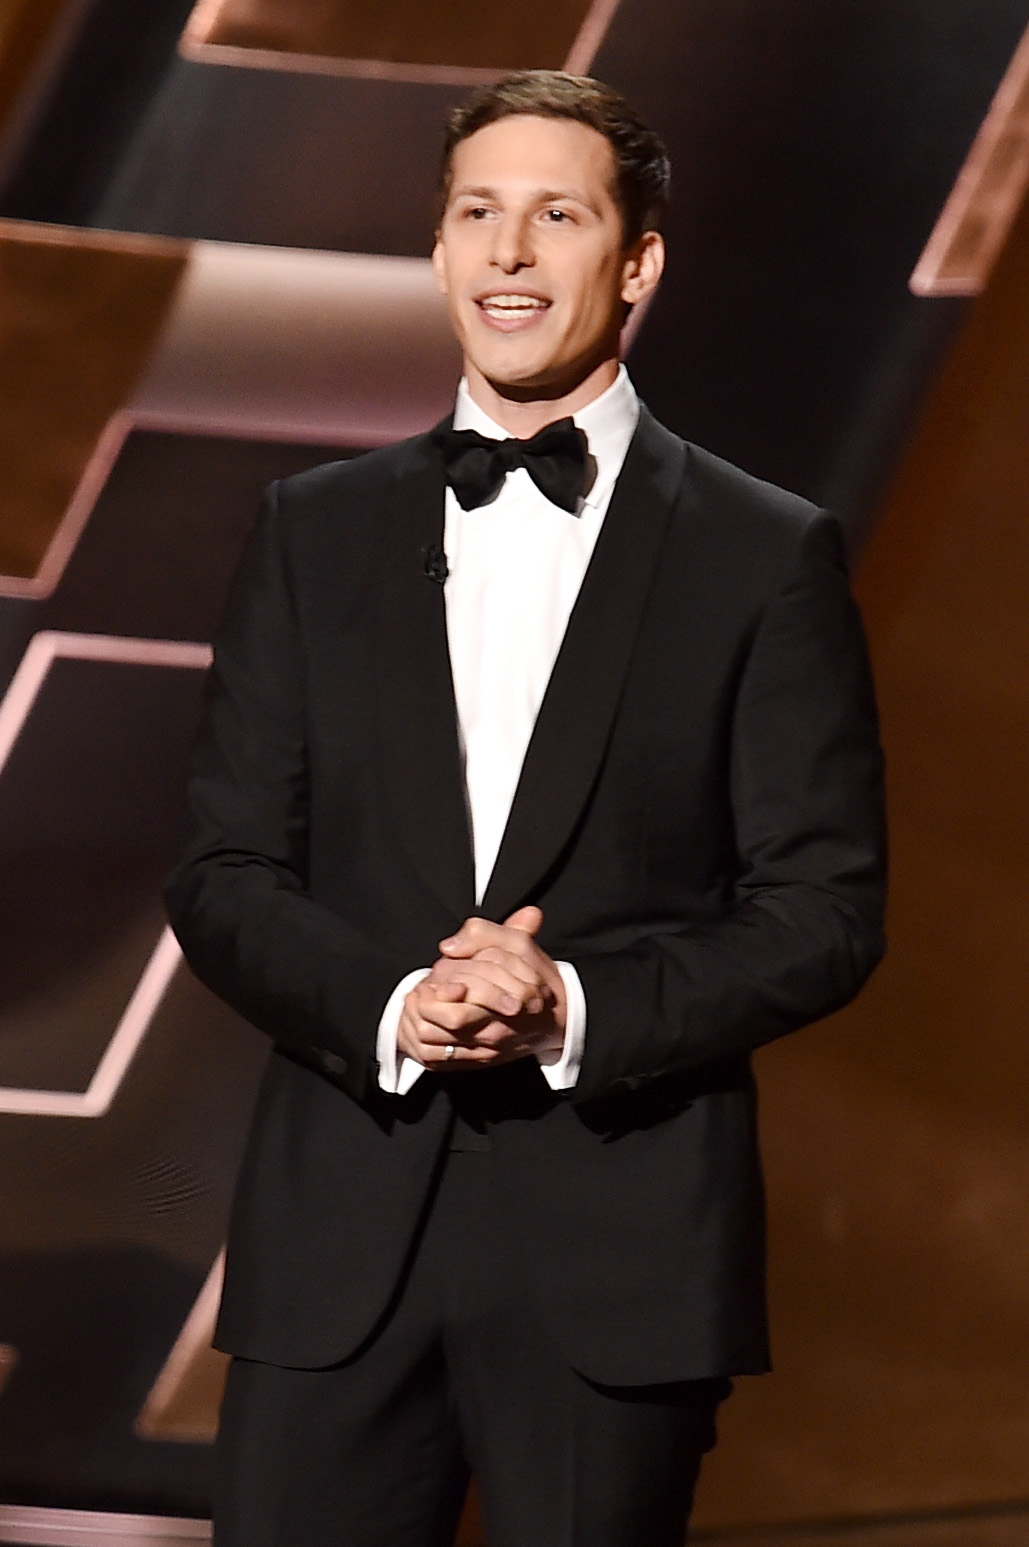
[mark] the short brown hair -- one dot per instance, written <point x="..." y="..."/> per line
<point x="643" y="173"/>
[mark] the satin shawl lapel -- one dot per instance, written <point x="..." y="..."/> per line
<point x="417" y="718"/>
<point x="572" y="729"/>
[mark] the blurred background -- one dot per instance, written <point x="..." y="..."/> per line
<point x="214" y="228"/>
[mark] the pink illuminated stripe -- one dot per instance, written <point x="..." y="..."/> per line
<point x="95" y="1100"/>
<point x="202" y="19"/>
<point x="193" y="45"/>
<point x="590" y="36"/>
<point x="50" y="645"/>
<point x="35" y="1527"/>
<point x="233" y="54"/>
<point x="43" y="650"/>
<point x="192" y="1343"/>
<point x="975" y="221"/>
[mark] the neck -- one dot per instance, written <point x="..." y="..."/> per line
<point x="521" y="413"/>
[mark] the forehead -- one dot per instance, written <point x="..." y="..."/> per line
<point x="535" y="152"/>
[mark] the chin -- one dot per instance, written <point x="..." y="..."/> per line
<point x="515" y="368"/>
<point x="504" y="378"/>
<point x="525" y="369"/>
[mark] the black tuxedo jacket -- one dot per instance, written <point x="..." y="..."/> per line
<point x="699" y="816"/>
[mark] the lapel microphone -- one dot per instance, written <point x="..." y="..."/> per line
<point x="436" y="564"/>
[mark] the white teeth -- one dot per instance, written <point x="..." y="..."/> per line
<point x="512" y="306"/>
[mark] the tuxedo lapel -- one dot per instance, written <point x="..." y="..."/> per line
<point x="415" y="710"/>
<point x="572" y="729"/>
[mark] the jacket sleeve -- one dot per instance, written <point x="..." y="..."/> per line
<point x="804" y="928"/>
<point x="237" y="901"/>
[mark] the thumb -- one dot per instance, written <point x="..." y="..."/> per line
<point x="529" y="920"/>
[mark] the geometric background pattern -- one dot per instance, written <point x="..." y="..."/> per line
<point x="213" y="238"/>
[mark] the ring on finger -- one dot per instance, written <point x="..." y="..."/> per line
<point x="449" y="1051"/>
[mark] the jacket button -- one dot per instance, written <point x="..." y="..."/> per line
<point x="333" y="1064"/>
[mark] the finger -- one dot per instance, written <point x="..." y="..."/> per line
<point x="474" y="935"/>
<point x="428" y="1046"/>
<point x="438" y="1057"/>
<point x="450" y="987"/>
<point x="533" y="967"/>
<point x="493" y="986"/>
<point x="431" y="1010"/>
<point x="408" y="1042"/>
<point x="512" y="974"/>
<point x="482" y="994"/>
<point x="423" y="1031"/>
<point x="521" y="964"/>
<point x="450" y="1022"/>
<point x="453" y="969"/>
<point x="528" y="919"/>
<point x="496" y="1043"/>
<point x="507" y="1054"/>
<point x="500" y="1037"/>
<point x="504" y="998"/>
<point x="461" y="1060"/>
<point x="493" y="942"/>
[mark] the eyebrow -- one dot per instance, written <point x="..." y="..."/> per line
<point x="541" y="196"/>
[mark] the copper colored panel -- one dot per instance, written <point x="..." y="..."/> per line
<point x="987" y="195"/>
<point x="79" y="315"/>
<point x="1000" y="1529"/>
<point x="457" y="35"/>
<point x="896" y="1136"/>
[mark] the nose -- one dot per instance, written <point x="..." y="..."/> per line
<point x="512" y="246"/>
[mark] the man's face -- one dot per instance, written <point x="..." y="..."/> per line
<point x="530" y="255"/>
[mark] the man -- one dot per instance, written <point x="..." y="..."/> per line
<point x="540" y="786"/>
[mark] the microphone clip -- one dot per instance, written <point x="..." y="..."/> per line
<point x="436" y="567"/>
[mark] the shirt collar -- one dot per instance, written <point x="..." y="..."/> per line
<point x="609" y="423"/>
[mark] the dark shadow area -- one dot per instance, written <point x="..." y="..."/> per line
<point x="162" y="542"/>
<point x="86" y="1326"/>
<point x="92" y="814"/>
<point x="110" y="1228"/>
<point x="164" y="538"/>
<point x="813" y="147"/>
<point x="105" y="85"/>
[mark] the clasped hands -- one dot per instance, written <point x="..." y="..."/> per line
<point x="493" y="996"/>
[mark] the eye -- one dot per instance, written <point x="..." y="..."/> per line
<point x="556" y="216"/>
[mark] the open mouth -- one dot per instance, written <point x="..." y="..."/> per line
<point x="513" y="307"/>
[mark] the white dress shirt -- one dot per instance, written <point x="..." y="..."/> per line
<point x="515" y="568"/>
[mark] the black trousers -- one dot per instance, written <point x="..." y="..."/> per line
<point x="461" y="1377"/>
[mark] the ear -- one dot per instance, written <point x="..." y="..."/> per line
<point x="644" y="264"/>
<point x="439" y="265"/>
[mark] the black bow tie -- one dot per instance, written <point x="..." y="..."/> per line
<point x="555" y="459"/>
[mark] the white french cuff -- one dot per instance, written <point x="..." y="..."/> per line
<point x="563" y="1074"/>
<point x="396" y="1073"/>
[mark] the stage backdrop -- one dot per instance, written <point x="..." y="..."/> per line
<point x="213" y="240"/>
